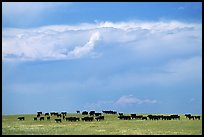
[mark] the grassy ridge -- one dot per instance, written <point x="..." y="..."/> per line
<point x="110" y="126"/>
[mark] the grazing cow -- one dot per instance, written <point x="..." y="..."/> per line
<point x="191" y="117"/>
<point x="72" y="119"/>
<point x="78" y="111"/>
<point x="84" y="113"/>
<point x="87" y="118"/>
<point x="21" y="118"/>
<point x="48" y="118"/>
<point x="139" y="117"/>
<point x="46" y="114"/>
<point x="99" y="118"/>
<point x="120" y="114"/>
<point x="97" y="114"/>
<point x="41" y="118"/>
<point x="197" y="117"/>
<point x="144" y="118"/>
<point x="35" y="118"/>
<point x="58" y="120"/>
<point x="124" y="117"/>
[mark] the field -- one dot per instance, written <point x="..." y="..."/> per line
<point x="111" y="125"/>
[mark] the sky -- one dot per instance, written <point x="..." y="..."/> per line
<point x="130" y="57"/>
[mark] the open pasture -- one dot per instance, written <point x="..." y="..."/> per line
<point x="111" y="125"/>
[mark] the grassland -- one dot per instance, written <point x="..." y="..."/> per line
<point x="110" y="126"/>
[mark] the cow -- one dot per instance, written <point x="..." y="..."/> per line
<point x="72" y="119"/>
<point x="97" y="114"/>
<point x="35" y="118"/>
<point x="191" y="117"/>
<point x="77" y="111"/>
<point x="109" y="112"/>
<point x="99" y="118"/>
<point x="39" y="113"/>
<point x="46" y="114"/>
<point x="144" y="118"/>
<point x="58" y="120"/>
<point x="197" y="117"/>
<point x="48" y="118"/>
<point x="21" y="118"/>
<point x="120" y="114"/>
<point x="84" y="113"/>
<point x="59" y="115"/>
<point x="91" y="113"/>
<point x="64" y="113"/>
<point x="133" y="116"/>
<point x="124" y="117"/>
<point x="175" y="117"/>
<point x="41" y="118"/>
<point x="87" y="118"/>
<point x="187" y="115"/>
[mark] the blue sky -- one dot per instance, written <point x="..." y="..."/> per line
<point x="130" y="57"/>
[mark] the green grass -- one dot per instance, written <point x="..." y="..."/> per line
<point x="110" y="126"/>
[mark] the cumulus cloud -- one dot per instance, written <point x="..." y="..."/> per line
<point x="145" y="39"/>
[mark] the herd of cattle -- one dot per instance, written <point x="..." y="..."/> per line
<point x="99" y="116"/>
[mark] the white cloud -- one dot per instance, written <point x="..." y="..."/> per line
<point x="130" y="99"/>
<point x="80" y="51"/>
<point x="147" y="40"/>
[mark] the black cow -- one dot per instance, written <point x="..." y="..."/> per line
<point x="133" y="116"/>
<point x="99" y="118"/>
<point x="109" y="112"/>
<point x="120" y="114"/>
<point x="124" y="117"/>
<point x="39" y="113"/>
<point x="91" y="113"/>
<point x="64" y="113"/>
<point x="78" y="111"/>
<point x="187" y="115"/>
<point x="59" y="115"/>
<point x="175" y="117"/>
<point x="48" y="118"/>
<point x="97" y="114"/>
<point x="58" y="120"/>
<point x="144" y="118"/>
<point x="21" y="118"/>
<point x="35" y="118"/>
<point x="46" y="114"/>
<point x="191" y="117"/>
<point x="84" y="113"/>
<point x="41" y="118"/>
<point x="87" y="118"/>
<point x="197" y="117"/>
<point x="72" y="119"/>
